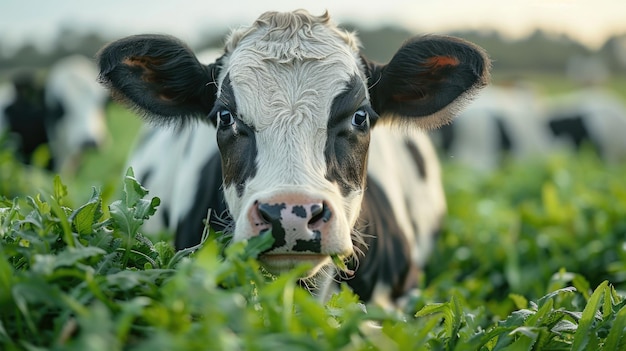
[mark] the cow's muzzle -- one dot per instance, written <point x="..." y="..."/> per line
<point x="298" y="225"/>
<point x="305" y="229"/>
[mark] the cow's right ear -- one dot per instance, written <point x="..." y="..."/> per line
<point x="159" y="76"/>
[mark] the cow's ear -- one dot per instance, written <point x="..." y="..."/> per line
<point x="428" y="80"/>
<point x="159" y="76"/>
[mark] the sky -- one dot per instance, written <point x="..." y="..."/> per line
<point x="40" y="21"/>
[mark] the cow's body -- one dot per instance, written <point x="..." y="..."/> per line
<point x="401" y="214"/>
<point x="592" y="117"/>
<point x="181" y="183"/>
<point x="67" y="112"/>
<point x="518" y="122"/>
<point x="502" y="121"/>
<point x="294" y="108"/>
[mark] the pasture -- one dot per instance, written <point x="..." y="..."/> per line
<point x="531" y="257"/>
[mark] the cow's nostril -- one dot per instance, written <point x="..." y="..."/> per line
<point x="319" y="213"/>
<point x="316" y="210"/>
<point x="270" y="213"/>
<point x="265" y="217"/>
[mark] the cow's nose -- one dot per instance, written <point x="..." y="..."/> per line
<point x="296" y="227"/>
<point x="311" y="214"/>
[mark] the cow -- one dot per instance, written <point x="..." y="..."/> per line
<point x="591" y="117"/>
<point x="503" y="121"/>
<point x="66" y="112"/>
<point x="303" y="137"/>
<point x="22" y="112"/>
<point x="516" y="122"/>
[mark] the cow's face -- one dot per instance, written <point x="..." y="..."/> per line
<point x="293" y="121"/>
<point x="293" y="104"/>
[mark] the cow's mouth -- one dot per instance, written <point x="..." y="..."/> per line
<point x="280" y="263"/>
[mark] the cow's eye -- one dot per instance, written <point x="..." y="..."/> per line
<point x="360" y="118"/>
<point x="225" y="118"/>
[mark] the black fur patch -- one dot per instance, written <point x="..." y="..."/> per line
<point x="574" y="129"/>
<point x="272" y="214"/>
<point x="347" y="145"/>
<point x="504" y="136"/>
<point x="418" y="158"/>
<point x="28" y="117"/>
<point x="237" y="143"/>
<point x="209" y="195"/>
<point x="387" y="255"/>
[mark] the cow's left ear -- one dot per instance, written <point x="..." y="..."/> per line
<point x="428" y="80"/>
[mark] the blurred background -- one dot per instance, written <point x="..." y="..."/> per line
<point x="548" y="56"/>
<point x="526" y="38"/>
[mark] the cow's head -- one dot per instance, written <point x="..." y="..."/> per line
<point x="75" y="118"/>
<point x="293" y="102"/>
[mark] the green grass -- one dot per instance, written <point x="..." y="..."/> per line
<point x="531" y="258"/>
<point x="513" y="230"/>
<point x="104" y="168"/>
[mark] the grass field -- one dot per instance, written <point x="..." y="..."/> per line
<point x="531" y="257"/>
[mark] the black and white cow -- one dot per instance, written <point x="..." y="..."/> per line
<point x="302" y="141"/>
<point x="593" y="117"/>
<point x="67" y="112"/>
<point x="501" y="122"/>
<point x="22" y="113"/>
<point x="518" y="122"/>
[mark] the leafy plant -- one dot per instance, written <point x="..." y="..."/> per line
<point x="85" y="278"/>
<point x="510" y="231"/>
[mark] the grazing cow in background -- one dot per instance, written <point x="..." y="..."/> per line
<point x="517" y="122"/>
<point x="502" y="121"/>
<point x="67" y="112"/>
<point x="592" y="116"/>
<point x="22" y="113"/>
<point x="304" y="145"/>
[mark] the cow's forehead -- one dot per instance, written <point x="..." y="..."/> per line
<point x="289" y="65"/>
<point x="284" y="36"/>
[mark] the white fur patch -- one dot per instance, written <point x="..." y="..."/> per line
<point x="173" y="158"/>
<point x="391" y="164"/>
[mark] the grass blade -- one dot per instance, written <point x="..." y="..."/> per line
<point x="582" y="336"/>
<point x="617" y="330"/>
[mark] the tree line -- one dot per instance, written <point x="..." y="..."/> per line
<point x="540" y="52"/>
